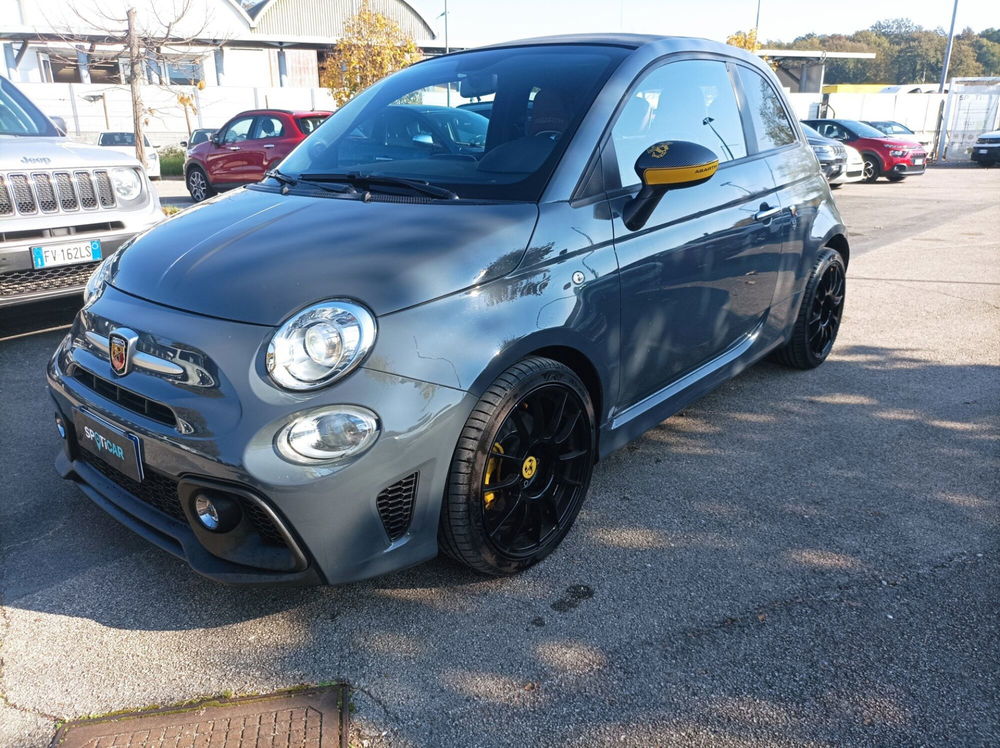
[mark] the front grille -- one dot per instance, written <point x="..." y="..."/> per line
<point x="56" y="191"/>
<point x="395" y="506"/>
<point x="45" y="279"/>
<point x="160" y="492"/>
<point x="984" y="141"/>
<point x="126" y="398"/>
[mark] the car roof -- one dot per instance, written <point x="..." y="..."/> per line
<point x="294" y="113"/>
<point x="632" y="41"/>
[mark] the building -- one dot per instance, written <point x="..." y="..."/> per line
<point x="268" y="43"/>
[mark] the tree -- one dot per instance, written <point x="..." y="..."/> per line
<point x="744" y="40"/>
<point x="372" y="47"/>
<point x="144" y="48"/>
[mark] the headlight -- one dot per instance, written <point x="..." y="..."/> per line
<point x="897" y="153"/>
<point x="329" y="434"/>
<point x="96" y="281"/>
<point x="320" y="344"/>
<point x="126" y="183"/>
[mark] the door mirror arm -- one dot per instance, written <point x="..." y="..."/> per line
<point x="664" y="166"/>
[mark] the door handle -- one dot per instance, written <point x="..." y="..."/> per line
<point x="269" y="145"/>
<point x="234" y="148"/>
<point x="766" y="212"/>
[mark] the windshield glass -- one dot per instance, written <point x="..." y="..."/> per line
<point x="121" y="138"/>
<point x="862" y="130"/>
<point x="409" y="125"/>
<point x="18" y="116"/>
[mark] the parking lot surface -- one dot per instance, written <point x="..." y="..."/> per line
<point x="799" y="558"/>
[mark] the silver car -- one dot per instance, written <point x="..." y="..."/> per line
<point x="64" y="206"/>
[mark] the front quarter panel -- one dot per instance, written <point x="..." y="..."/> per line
<point x="563" y="294"/>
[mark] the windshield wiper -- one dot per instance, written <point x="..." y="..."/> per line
<point x="368" y="181"/>
<point x="289" y="181"/>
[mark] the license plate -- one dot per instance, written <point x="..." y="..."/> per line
<point x="111" y="444"/>
<point x="66" y="254"/>
<point x="917" y="161"/>
<point x="983" y="151"/>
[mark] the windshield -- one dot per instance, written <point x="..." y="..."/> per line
<point x="861" y="129"/>
<point x="409" y="125"/>
<point x="892" y="128"/>
<point x="121" y="138"/>
<point x="18" y="116"/>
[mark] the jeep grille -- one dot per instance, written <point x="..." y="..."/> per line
<point x="39" y="192"/>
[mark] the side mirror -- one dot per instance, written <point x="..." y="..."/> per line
<point x="668" y="165"/>
<point x="60" y="124"/>
<point x="216" y="140"/>
<point x="184" y="144"/>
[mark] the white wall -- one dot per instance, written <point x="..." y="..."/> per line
<point x="84" y="119"/>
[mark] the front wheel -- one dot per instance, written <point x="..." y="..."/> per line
<point x="819" y="316"/>
<point x="521" y="469"/>
<point x="871" y="169"/>
<point x="198" y="185"/>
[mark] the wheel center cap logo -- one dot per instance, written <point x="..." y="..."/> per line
<point x="529" y="468"/>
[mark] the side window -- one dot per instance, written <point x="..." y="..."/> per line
<point x="268" y="127"/>
<point x="687" y="100"/>
<point x="770" y="123"/>
<point x="238" y="131"/>
<point x="832" y="130"/>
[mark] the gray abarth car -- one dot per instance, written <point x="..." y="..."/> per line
<point x="392" y="347"/>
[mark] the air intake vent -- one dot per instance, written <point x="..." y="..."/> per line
<point x="395" y="506"/>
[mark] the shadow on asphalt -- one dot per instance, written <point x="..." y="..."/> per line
<point x="778" y="488"/>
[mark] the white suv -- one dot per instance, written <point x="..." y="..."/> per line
<point x="63" y="205"/>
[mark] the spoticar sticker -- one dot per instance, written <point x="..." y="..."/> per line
<point x="103" y="444"/>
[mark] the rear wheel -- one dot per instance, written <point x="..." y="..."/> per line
<point x="871" y="169"/>
<point x="819" y="317"/>
<point x="198" y="185"/>
<point x="521" y="469"/>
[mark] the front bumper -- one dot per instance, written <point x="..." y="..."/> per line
<point x="986" y="154"/>
<point x="906" y="166"/>
<point x="330" y="525"/>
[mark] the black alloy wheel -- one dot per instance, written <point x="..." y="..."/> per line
<point x="822" y="310"/>
<point x="521" y="469"/>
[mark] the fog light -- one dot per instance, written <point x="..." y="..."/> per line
<point x="328" y="434"/>
<point x="60" y="427"/>
<point x="216" y="513"/>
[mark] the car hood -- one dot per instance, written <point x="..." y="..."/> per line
<point x="256" y="256"/>
<point x="29" y="152"/>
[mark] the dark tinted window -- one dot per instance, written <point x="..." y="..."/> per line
<point x="689" y="100"/>
<point x="412" y="124"/>
<point x="308" y="124"/>
<point x="268" y="126"/>
<point x="770" y="123"/>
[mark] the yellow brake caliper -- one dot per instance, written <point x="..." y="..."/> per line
<point x="492" y="468"/>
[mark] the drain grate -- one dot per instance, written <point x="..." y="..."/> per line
<point x="312" y="718"/>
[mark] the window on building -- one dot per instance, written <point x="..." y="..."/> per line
<point x="689" y="100"/>
<point x="45" y="67"/>
<point x="184" y="72"/>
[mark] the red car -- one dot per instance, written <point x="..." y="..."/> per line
<point x="244" y="148"/>
<point x="891" y="157"/>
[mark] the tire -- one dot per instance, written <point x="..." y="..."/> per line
<point x="836" y="186"/>
<point x="198" y="185"/>
<point x="820" y="314"/>
<point x="521" y="469"/>
<point x="872" y="169"/>
<point x="895" y="177"/>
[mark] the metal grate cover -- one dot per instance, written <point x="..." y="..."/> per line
<point x="6" y="204"/>
<point x="55" y="191"/>
<point x="85" y="189"/>
<point x="127" y="399"/>
<point x="395" y="506"/>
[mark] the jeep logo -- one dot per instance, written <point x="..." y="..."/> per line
<point x="35" y="159"/>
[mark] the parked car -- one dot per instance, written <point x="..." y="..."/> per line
<point x="340" y="370"/>
<point x="63" y="205"/>
<point x="831" y="154"/>
<point x="892" y="158"/>
<point x="898" y="130"/>
<point x="854" y="168"/>
<point x="986" y="151"/>
<point x="246" y="147"/>
<point x="124" y="142"/>
<point x="201" y="135"/>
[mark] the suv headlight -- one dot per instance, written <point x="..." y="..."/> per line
<point x="96" y="281"/>
<point x="126" y="182"/>
<point x="320" y="344"/>
<point x="898" y="153"/>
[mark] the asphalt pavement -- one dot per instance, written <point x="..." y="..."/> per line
<point x="800" y="558"/>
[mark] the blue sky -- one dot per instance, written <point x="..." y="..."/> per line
<point x="476" y="22"/>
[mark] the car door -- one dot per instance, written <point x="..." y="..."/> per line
<point x="226" y="160"/>
<point x="270" y="141"/>
<point x="698" y="277"/>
